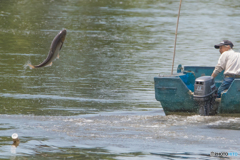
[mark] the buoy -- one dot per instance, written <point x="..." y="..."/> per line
<point x="15" y="139"/>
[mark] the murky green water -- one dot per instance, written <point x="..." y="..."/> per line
<point x="97" y="100"/>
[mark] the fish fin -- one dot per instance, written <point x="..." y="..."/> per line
<point x="50" y="64"/>
<point x="31" y="66"/>
<point x="61" y="46"/>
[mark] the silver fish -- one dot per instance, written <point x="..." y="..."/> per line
<point x="56" y="46"/>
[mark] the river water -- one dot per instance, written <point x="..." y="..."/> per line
<point x="97" y="100"/>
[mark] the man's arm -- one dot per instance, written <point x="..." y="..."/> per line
<point x="214" y="75"/>
<point x="220" y="66"/>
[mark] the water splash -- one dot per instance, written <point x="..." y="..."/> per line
<point x="26" y="65"/>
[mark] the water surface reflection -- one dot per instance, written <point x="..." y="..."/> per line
<point x="97" y="100"/>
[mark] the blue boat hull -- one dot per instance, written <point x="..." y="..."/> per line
<point x="175" y="92"/>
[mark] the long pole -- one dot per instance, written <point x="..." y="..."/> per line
<point x="176" y="36"/>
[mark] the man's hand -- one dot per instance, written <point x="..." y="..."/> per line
<point x="214" y="75"/>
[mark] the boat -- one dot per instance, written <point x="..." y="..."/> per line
<point x="176" y="92"/>
<point x="192" y="90"/>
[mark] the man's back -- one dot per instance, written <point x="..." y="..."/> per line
<point x="230" y="62"/>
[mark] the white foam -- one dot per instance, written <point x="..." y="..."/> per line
<point x="227" y="121"/>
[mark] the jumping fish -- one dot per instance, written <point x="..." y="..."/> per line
<point x="54" y="50"/>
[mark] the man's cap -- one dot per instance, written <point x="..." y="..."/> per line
<point x="224" y="42"/>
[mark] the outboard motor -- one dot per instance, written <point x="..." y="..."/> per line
<point x="205" y="93"/>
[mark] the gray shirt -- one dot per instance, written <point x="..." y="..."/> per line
<point x="228" y="61"/>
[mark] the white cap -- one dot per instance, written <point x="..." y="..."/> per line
<point x="14" y="136"/>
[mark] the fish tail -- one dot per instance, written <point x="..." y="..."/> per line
<point x="31" y="66"/>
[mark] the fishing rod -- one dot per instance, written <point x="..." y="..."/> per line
<point x="176" y="36"/>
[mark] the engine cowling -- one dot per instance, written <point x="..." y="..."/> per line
<point x="205" y="93"/>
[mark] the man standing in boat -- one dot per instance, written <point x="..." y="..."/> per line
<point x="229" y="61"/>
